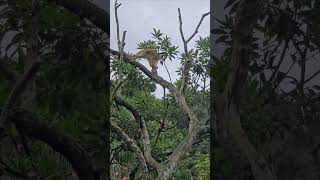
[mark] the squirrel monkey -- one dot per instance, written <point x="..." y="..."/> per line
<point x="151" y="55"/>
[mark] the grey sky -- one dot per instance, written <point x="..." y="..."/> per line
<point x="139" y="17"/>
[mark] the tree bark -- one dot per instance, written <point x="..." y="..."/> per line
<point x="135" y="149"/>
<point x="230" y="132"/>
<point x="29" y="124"/>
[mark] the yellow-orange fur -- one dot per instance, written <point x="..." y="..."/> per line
<point x="151" y="55"/>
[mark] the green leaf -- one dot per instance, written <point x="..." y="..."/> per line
<point x="218" y="31"/>
<point x="222" y="39"/>
<point x="229" y="3"/>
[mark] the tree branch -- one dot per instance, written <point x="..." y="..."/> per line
<point x="147" y="147"/>
<point x="145" y="70"/>
<point x="87" y="9"/>
<point x="120" y="43"/>
<point x="312" y="76"/>
<point x="17" y="91"/>
<point x="184" y="146"/>
<point x="231" y="134"/>
<point x="144" y="133"/>
<point x="285" y="48"/>
<point x="186" y="68"/>
<point x="198" y="26"/>
<point x="114" y="92"/>
<point x="181" y="33"/>
<point x="178" y="152"/>
<point x="180" y="99"/>
<point x="133" y="111"/>
<point x="29" y="124"/>
<point x="134" y="148"/>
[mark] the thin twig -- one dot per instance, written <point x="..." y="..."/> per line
<point x="117" y="150"/>
<point x="120" y="47"/>
<point x="181" y="33"/>
<point x="312" y="76"/>
<point x="116" y="6"/>
<point x="115" y="90"/>
<point x="285" y="48"/>
<point x="167" y="71"/>
<point x="188" y="63"/>
<point x="198" y="26"/>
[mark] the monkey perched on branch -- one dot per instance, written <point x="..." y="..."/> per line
<point x="151" y="55"/>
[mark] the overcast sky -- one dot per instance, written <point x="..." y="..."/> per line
<point x="139" y="17"/>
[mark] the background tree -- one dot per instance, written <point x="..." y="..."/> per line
<point x="53" y="90"/>
<point x="278" y="105"/>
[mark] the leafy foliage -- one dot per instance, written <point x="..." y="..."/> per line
<point x="162" y="116"/>
<point x="278" y="108"/>
<point x="162" y="44"/>
<point x="70" y="85"/>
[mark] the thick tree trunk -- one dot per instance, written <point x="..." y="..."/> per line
<point x="29" y="95"/>
<point x="29" y="124"/>
<point x="230" y="133"/>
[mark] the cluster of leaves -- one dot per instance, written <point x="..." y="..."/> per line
<point x="162" y="44"/>
<point x="134" y="80"/>
<point x="201" y="56"/>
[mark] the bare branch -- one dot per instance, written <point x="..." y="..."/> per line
<point x="123" y="38"/>
<point x="114" y="92"/>
<point x="144" y="133"/>
<point x="181" y="33"/>
<point x="134" y="148"/>
<point x="312" y="76"/>
<point x="29" y="124"/>
<point x="184" y="146"/>
<point x="151" y="75"/>
<point x="188" y="63"/>
<point x="116" y="6"/>
<point x="121" y="47"/>
<point x="198" y="26"/>
<point x="128" y="106"/>
<point x="306" y="81"/>
<point x="17" y="91"/>
<point x="120" y="42"/>
<point x="285" y="48"/>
